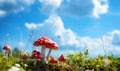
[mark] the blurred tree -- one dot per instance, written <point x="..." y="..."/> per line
<point x="86" y="52"/>
<point x="0" y="49"/>
<point x="16" y="52"/>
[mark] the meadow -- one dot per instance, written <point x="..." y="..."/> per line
<point x="72" y="62"/>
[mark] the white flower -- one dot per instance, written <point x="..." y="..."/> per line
<point x="17" y="65"/>
<point x="14" y="69"/>
<point x="106" y="62"/>
<point x="25" y="65"/>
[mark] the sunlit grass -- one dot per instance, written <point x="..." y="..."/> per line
<point x="75" y="62"/>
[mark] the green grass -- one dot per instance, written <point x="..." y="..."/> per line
<point x="5" y="63"/>
<point x="75" y="62"/>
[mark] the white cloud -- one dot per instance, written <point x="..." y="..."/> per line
<point x="31" y="26"/>
<point x="49" y="6"/>
<point x="115" y="50"/>
<point x="106" y="44"/>
<point x="53" y="27"/>
<point x="100" y="7"/>
<point x="84" y="7"/>
<point x="77" y="7"/>
<point x="21" y="44"/>
<point x="2" y="13"/>
<point x="55" y="3"/>
<point x="56" y="28"/>
<point x="14" y="6"/>
<point x="114" y="37"/>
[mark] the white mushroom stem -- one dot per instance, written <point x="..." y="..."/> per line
<point x="48" y="55"/>
<point x="6" y="54"/>
<point x="43" y="55"/>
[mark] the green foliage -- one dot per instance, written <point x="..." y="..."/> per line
<point x="5" y="63"/>
<point x="75" y="62"/>
<point x="16" y="52"/>
<point x="80" y="62"/>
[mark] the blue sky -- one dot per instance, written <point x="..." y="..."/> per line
<point x="75" y="25"/>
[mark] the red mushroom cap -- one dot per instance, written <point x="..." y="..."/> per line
<point x="53" y="60"/>
<point x="43" y="41"/>
<point x="6" y="47"/>
<point x="36" y="43"/>
<point x="24" y="57"/>
<point x="62" y="58"/>
<point x="48" y="43"/>
<point x="53" y="45"/>
<point x="37" y="55"/>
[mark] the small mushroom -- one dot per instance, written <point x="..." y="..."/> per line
<point x="37" y="55"/>
<point x="24" y="56"/>
<point x="7" y="49"/>
<point x="62" y="58"/>
<point x="52" y="46"/>
<point x="53" y="60"/>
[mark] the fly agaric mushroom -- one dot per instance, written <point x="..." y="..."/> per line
<point x="53" y="60"/>
<point x="36" y="43"/>
<point x="62" y="58"/>
<point x="52" y="46"/>
<point x="6" y="48"/>
<point x="43" y="41"/>
<point x="37" y="55"/>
